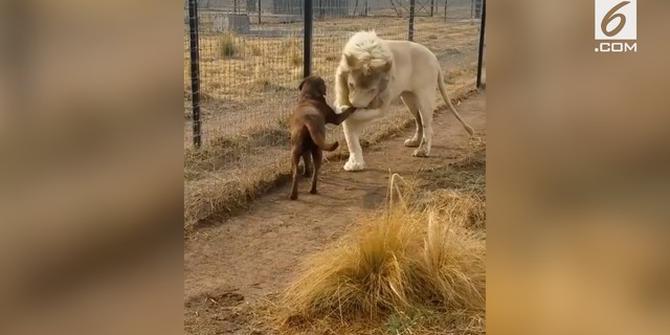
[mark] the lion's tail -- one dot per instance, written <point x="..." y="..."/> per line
<point x="443" y="91"/>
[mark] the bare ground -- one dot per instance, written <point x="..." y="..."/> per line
<point x="233" y="268"/>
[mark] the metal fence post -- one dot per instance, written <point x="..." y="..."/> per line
<point x="432" y="7"/>
<point x="481" y="45"/>
<point x="307" y="39"/>
<point x="410" y="32"/>
<point x="195" y="69"/>
<point x="445" y="10"/>
<point x="472" y="9"/>
<point x="259" y="11"/>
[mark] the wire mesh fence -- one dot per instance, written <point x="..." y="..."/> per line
<point x="251" y="62"/>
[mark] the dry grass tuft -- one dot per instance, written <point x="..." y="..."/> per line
<point x="407" y="261"/>
<point x="262" y="79"/>
<point x="226" y="46"/>
<point x="256" y="50"/>
<point x="293" y="49"/>
<point x="462" y="184"/>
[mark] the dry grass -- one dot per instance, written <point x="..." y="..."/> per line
<point x="256" y="50"/>
<point x="217" y="184"/>
<point x="410" y="269"/>
<point x="216" y="195"/>
<point x="226" y="46"/>
<point x="292" y="49"/>
<point x="465" y="179"/>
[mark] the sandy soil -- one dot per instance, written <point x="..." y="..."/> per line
<point x="232" y="268"/>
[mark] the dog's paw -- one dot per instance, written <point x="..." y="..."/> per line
<point x="293" y="196"/>
<point x="421" y="152"/>
<point x="412" y="142"/>
<point x="352" y="165"/>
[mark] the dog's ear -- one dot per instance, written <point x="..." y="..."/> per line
<point x="322" y="87"/>
<point x="380" y="66"/>
<point x="302" y="83"/>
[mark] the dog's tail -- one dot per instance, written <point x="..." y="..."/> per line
<point x="443" y="91"/>
<point x="318" y="136"/>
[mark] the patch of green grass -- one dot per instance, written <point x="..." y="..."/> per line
<point x="400" y="323"/>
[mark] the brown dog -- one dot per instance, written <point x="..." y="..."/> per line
<point x="308" y="129"/>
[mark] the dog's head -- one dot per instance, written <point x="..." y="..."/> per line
<point x="313" y="86"/>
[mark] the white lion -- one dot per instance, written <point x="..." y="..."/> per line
<point x="373" y="72"/>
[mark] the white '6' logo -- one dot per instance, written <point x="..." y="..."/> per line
<point x="615" y="19"/>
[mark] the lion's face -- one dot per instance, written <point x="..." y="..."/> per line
<point x="364" y="88"/>
<point x="366" y="81"/>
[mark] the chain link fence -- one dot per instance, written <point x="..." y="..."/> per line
<point x="251" y="62"/>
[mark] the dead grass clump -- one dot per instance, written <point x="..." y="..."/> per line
<point x="261" y="79"/>
<point x="461" y="185"/>
<point x="292" y="48"/>
<point x="295" y="58"/>
<point x="397" y="263"/>
<point x="256" y="50"/>
<point x="229" y="150"/>
<point x="226" y="46"/>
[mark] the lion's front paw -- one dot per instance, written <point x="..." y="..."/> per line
<point x="343" y="108"/>
<point x="412" y="142"/>
<point x="354" y="165"/>
<point x="421" y="152"/>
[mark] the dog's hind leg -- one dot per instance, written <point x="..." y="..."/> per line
<point x="295" y="160"/>
<point x="412" y="103"/>
<point x="317" y="156"/>
<point x="307" y="164"/>
<point x="426" y="106"/>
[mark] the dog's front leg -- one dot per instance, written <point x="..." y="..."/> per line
<point x="352" y="130"/>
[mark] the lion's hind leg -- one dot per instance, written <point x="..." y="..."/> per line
<point x="412" y="103"/>
<point x="426" y="107"/>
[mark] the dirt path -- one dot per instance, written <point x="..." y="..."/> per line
<point x="256" y="253"/>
